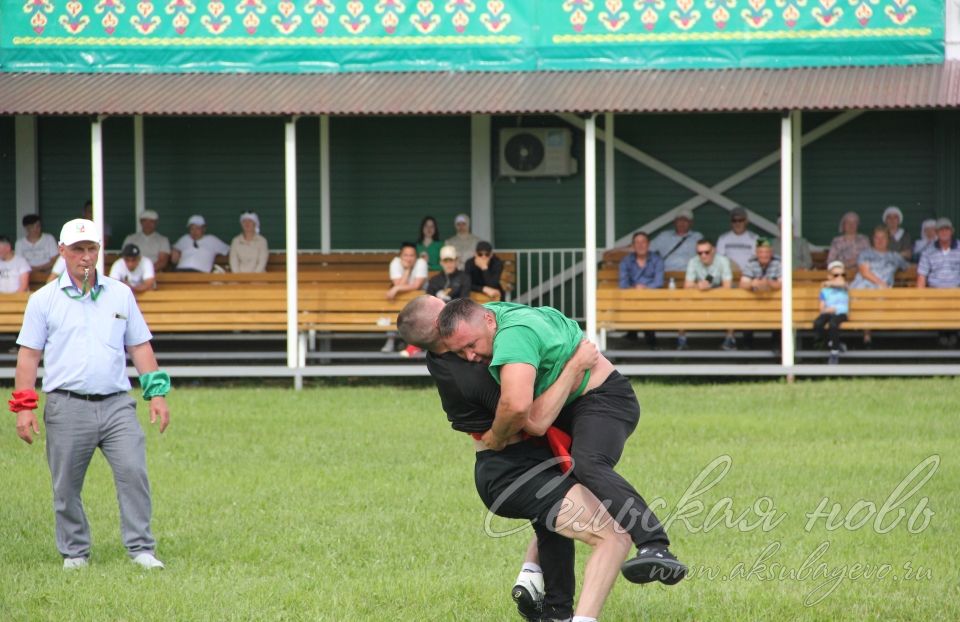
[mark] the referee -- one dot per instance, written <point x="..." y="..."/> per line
<point x="80" y="324"/>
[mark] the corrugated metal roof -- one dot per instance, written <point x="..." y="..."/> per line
<point x="823" y="88"/>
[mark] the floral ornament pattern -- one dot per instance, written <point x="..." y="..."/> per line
<point x="288" y="21"/>
<point x="900" y="11"/>
<point x="791" y="11"/>
<point x="757" y="14"/>
<point x="145" y="22"/>
<point x="827" y="14"/>
<point x="181" y="11"/>
<point x="38" y="21"/>
<point x="461" y="9"/>
<point x="686" y="17"/>
<point x="424" y="19"/>
<point x="216" y="21"/>
<point x="73" y="21"/>
<point x="391" y="11"/>
<point x="355" y="21"/>
<point x="614" y="17"/>
<point x="495" y="19"/>
<point x="319" y="9"/>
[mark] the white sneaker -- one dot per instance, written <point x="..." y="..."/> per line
<point x="148" y="561"/>
<point x="388" y="347"/>
<point x="74" y="563"/>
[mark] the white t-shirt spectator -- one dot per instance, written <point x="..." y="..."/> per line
<point x="39" y="252"/>
<point x="200" y="254"/>
<point x="10" y="273"/>
<point x="150" y="245"/>
<point x="737" y="248"/>
<point x="420" y="269"/>
<point x="142" y="272"/>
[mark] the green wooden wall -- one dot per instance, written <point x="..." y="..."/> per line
<point x="8" y="191"/>
<point x="388" y="172"/>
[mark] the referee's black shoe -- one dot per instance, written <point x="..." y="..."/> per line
<point x="654" y="562"/>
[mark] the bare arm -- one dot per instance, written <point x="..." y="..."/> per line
<point x="175" y="256"/>
<point x="24" y="282"/>
<point x="145" y="361"/>
<point x="146" y="285"/>
<point x="28" y="361"/>
<point x="163" y="259"/>
<point x="516" y="400"/>
<point x="549" y="404"/>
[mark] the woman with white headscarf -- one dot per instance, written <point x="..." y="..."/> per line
<point x="900" y="241"/>
<point x="928" y="237"/>
<point x="847" y="246"/>
<point x="248" y="251"/>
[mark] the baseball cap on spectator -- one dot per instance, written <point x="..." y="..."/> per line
<point x="738" y="212"/>
<point x="685" y="213"/>
<point x="764" y="242"/>
<point x="448" y="252"/>
<point x="149" y="214"/>
<point x="944" y="223"/>
<point x="893" y="209"/>
<point x="461" y="218"/>
<point x="484" y="247"/>
<point x="130" y="250"/>
<point x="198" y="220"/>
<point x="79" y="230"/>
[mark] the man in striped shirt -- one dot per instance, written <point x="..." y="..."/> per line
<point x="940" y="267"/>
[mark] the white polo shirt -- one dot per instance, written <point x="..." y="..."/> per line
<point x="200" y="254"/>
<point x="83" y="339"/>
<point x="143" y="271"/>
<point x="10" y="273"/>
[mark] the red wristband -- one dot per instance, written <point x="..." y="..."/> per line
<point x="25" y="399"/>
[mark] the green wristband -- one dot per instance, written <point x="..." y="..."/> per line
<point x="155" y="384"/>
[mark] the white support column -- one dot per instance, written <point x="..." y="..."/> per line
<point x="797" y="139"/>
<point x="786" y="236"/>
<point x="96" y="159"/>
<point x="952" y="34"/>
<point x="324" y="183"/>
<point x="481" y="185"/>
<point x="290" y="190"/>
<point x="609" y="182"/>
<point x="25" y="150"/>
<point x="590" y="214"/>
<point x="139" y="174"/>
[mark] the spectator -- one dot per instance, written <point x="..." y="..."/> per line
<point x="452" y="283"/>
<point x="738" y="244"/>
<point x="679" y="246"/>
<point x="928" y="237"/>
<point x="940" y="267"/>
<point x="87" y="213"/>
<point x="706" y="271"/>
<point x="900" y="241"/>
<point x="152" y="244"/>
<point x="802" y="257"/>
<point x="465" y="242"/>
<point x="14" y="270"/>
<point x="38" y="248"/>
<point x="877" y="267"/>
<point x="196" y="251"/>
<point x="428" y="242"/>
<point x="134" y="270"/>
<point x="58" y="267"/>
<point x="762" y="273"/>
<point x="847" y="246"/>
<point x="834" y="307"/>
<point x="248" y="251"/>
<point x="642" y="269"/>
<point x="485" y="270"/>
<point x="407" y="273"/>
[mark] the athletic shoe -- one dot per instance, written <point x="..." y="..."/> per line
<point x="681" y="343"/>
<point x="834" y="357"/>
<point x="74" y="563"/>
<point x="654" y="563"/>
<point x="148" y="561"/>
<point x="388" y="347"/>
<point x="528" y="594"/>
<point x="729" y="344"/>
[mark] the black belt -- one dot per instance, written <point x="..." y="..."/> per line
<point x="89" y="398"/>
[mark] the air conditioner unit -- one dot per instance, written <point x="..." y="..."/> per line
<point x="536" y="152"/>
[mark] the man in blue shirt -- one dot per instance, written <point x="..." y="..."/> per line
<point x="80" y="325"/>
<point x="642" y="269"/>
<point x="940" y="267"/>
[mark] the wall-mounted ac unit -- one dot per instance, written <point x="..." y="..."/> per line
<point x="536" y="152"/>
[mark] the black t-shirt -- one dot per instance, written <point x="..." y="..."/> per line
<point x="468" y="392"/>
<point x="458" y="283"/>
<point x="489" y="277"/>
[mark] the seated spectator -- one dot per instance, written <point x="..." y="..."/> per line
<point x="802" y="257"/>
<point x="762" y="273"/>
<point x="14" y="270"/>
<point x="248" y="251"/>
<point x="196" y="251"/>
<point x="738" y="244"/>
<point x="428" y="242"/>
<point x="928" y="237"/>
<point x="38" y="248"/>
<point x="452" y="282"/>
<point x="900" y="241"/>
<point x="679" y="246"/>
<point x="152" y="244"/>
<point x="834" y="307"/>
<point x="465" y="242"/>
<point x="706" y="271"/>
<point x="407" y="273"/>
<point x="133" y="269"/>
<point x="940" y="267"/>
<point x="485" y="270"/>
<point x="58" y="267"/>
<point x="877" y="267"/>
<point x="87" y="213"/>
<point x="642" y="269"/>
<point x="846" y="248"/>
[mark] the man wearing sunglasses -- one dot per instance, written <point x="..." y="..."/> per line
<point x="738" y="244"/>
<point x="706" y="271"/>
<point x="485" y="270"/>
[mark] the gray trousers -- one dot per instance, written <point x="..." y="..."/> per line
<point x="74" y="429"/>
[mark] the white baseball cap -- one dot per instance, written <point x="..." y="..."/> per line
<point x="461" y="218"/>
<point x="198" y="220"/>
<point x="79" y="230"/>
<point x="448" y="252"/>
<point x="149" y="214"/>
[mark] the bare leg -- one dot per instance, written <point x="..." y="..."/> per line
<point x="583" y="518"/>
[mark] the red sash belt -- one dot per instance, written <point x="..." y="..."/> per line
<point x="559" y="442"/>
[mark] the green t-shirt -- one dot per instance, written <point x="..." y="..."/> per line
<point x="539" y="336"/>
<point x="433" y="253"/>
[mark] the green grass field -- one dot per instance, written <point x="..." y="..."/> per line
<point x="357" y="503"/>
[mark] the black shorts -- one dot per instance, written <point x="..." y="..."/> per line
<point x="522" y="481"/>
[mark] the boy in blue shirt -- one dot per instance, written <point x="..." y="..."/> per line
<point x="834" y="306"/>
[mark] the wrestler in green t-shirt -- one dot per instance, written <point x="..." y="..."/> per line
<point x="539" y="336"/>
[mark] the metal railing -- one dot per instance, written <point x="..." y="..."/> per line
<point x="550" y="277"/>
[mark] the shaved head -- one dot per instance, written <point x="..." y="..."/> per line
<point x="417" y="323"/>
